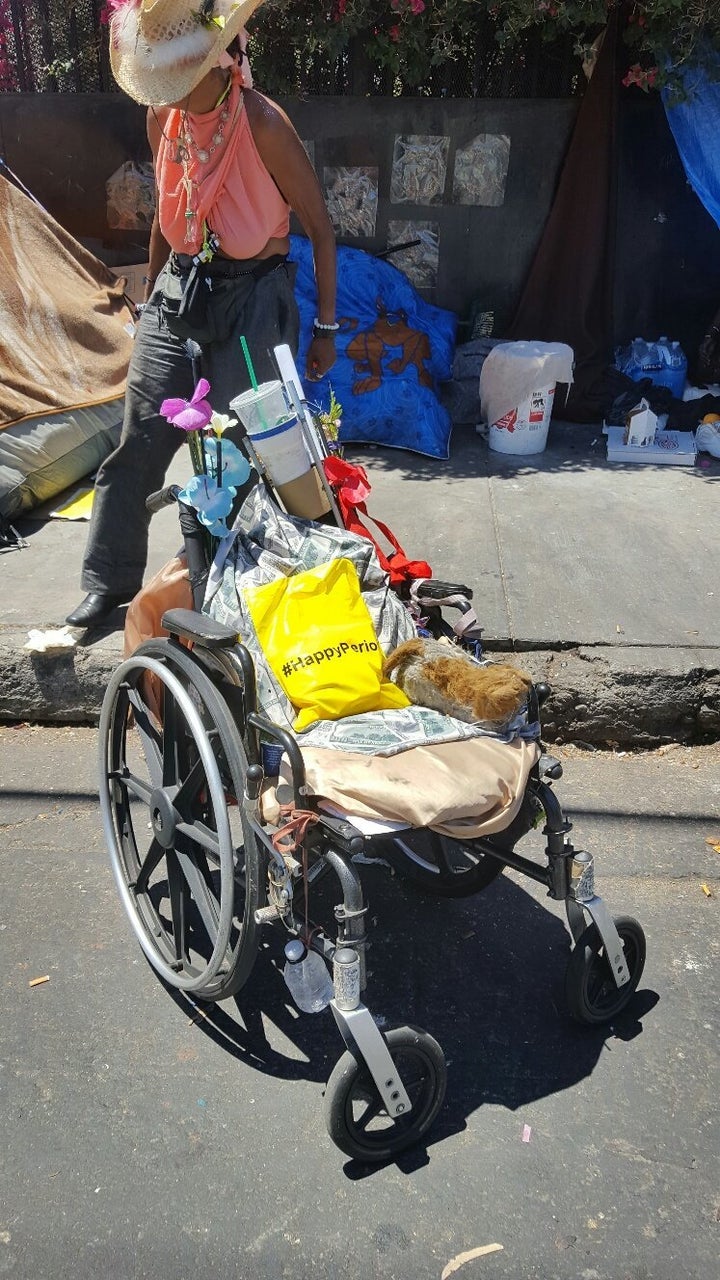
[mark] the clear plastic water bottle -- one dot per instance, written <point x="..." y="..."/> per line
<point x="307" y="977"/>
<point x="675" y="372"/>
<point x="640" y="360"/>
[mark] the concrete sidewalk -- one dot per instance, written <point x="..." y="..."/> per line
<point x="600" y="578"/>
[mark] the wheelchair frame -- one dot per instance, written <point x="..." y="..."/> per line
<point x="212" y="688"/>
<point x="214" y="874"/>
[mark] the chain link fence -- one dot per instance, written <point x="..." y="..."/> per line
<point x="54" y="46"/>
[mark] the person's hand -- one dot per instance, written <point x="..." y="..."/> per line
<point x="320" y="357"/>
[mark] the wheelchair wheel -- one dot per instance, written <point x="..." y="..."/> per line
<point x="354" y="1111"/>
<point x="185" y="860"/>
<point x="441" y="866"/>
<point x="590" y="990"/>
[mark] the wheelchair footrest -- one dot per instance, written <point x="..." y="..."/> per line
<point x="185" y="624"/>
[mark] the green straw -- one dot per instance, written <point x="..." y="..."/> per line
<point x="248" y="362"/>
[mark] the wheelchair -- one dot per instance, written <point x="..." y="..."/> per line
<point x="202" y="873"/>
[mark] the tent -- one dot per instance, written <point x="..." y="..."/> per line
<point x="64" y="351"/>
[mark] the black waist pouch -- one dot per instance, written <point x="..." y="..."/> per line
<point x="203" y="303"/>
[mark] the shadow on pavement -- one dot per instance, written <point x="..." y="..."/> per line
<point x="571" y="447"/>
<point x="483" y="975"/>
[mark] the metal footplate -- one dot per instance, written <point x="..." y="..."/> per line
<point x="359" y="1029"/>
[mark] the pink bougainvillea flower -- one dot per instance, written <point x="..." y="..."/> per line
<point x="417" y="6"/>
<point x="643" y="79"/>
<point x="189" y="415"/>
<point x="394" y="34"/>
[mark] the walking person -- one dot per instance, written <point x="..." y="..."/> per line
<point x="229" y="167"/>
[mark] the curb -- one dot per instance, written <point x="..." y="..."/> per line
<point x="628" y="696"/>
<point x="600" y="695"/>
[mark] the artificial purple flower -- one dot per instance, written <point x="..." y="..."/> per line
<point x="189" y="415"/>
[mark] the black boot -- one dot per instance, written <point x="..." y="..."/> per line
<point x="96" y="606"/>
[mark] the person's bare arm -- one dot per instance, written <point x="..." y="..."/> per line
<point x="159" y="248"/>
<point x="286" y="160"/>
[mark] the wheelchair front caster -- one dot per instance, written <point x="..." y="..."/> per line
<point x="355" y="1114"/>
<point x="590" y="990"/>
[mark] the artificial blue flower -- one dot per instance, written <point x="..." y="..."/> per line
<point x="212" y="502"/>
<point x="235" y="466"/>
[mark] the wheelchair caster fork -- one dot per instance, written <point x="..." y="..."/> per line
<point x="387" y="1089"/>
<point x="608" y="958"/>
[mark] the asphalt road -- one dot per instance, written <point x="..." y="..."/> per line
<point x="143" y="1140"/>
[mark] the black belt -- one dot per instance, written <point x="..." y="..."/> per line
<point x="181" y="264"/>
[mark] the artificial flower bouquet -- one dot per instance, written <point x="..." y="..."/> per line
<point x="220" y="467"/>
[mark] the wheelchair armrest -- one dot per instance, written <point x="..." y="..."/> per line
<point x="185" y="624"/>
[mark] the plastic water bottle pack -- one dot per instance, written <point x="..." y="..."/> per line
<point x="663" y="362"/>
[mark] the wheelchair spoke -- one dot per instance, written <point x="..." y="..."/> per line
<point x="151" y="862"/>
<point x="136" y="786"/>
<point x="445" y="867"/>
<point x="196" y="873"/>
<point x="189" y="789"/>
<point x="374" y="1108"/>
<point x="200" y="834"/>
<point x="179" y="895"/>
<point x="172" y="770"/>
<point x="150" y="737"/>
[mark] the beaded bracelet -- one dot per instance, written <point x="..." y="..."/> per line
<point x="324" y="330"/>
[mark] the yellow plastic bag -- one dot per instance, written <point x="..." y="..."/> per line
<point x="318" y="638"/>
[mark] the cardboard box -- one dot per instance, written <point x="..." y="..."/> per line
<point x="669" y="448"/>
<point x="133" y="274"/>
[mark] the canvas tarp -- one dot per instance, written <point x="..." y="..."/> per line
<point x="694" y="119"/>
<point x="64" y="351"/>
<point x="62" y="317"/>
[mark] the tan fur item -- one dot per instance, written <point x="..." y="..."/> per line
<point x="443" y="677"/>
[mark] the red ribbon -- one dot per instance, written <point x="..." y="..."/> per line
<point x="351" y="487"/>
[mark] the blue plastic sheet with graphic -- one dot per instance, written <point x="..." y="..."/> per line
<point x="392" y="350"/>
<point x="695" y="126"/>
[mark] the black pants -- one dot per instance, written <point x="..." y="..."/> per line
<point x="116" y="551"/>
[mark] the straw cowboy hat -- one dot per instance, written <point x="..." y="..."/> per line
<point x="161" y="49"/>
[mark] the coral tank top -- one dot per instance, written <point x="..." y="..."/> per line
<point x="233" y="191"/>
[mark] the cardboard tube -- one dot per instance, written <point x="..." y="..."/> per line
<point x="304" y="497"/>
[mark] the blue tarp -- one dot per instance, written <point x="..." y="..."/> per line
<point x="392" y="350"/>
<point x="695" y="126"/>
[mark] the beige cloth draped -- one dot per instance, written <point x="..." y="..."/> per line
<point x="62" y="317"/>
<point x="461" y="789"/>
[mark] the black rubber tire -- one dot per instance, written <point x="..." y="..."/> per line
<point x="421" y="1064"/>
<point x="232" y="884"/>
<point x="590" y="991"/>
<point x="440" y="866"/>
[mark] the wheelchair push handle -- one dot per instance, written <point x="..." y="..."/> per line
<point x="162" y="498"/>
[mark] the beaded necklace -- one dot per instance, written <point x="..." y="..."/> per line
<point x="186" y="146"/>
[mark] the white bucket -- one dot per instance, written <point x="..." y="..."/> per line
<point x="525" y="429"/>
<point x="282" y="452"/>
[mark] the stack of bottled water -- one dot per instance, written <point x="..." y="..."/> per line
<point x="663" y="362"/>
